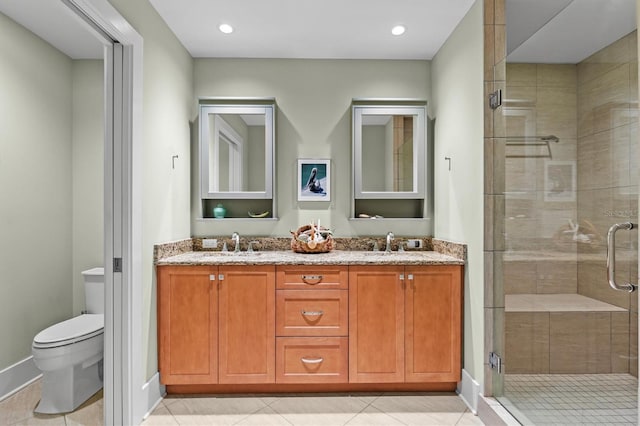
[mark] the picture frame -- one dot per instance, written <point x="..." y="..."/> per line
<point x="559" y="180"/>
<point x="314" y="179"/>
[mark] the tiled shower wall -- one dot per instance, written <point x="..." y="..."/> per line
<point x="541" y="100"/>
<point x="607" y="173"/>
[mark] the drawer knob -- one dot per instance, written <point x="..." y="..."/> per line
<point x="312" y="361"/>
<point x="311" y="279"/>
<point x="311" y="313"/>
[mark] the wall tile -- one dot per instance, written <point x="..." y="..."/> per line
<point x="519" y="74"/>
<point x="598" y="331"/>
<point x="489" y="52"/>
<point x="568" y="343"/>
<point x="520" y="277"/>
<point x="620" y="342"/>
<point x="526" y="342"/>
<point x="555" y="75"/>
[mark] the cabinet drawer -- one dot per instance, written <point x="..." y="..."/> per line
<point x="312" y="359"/>
<point x="312" y="312"/>
<point x="310" y="277"/>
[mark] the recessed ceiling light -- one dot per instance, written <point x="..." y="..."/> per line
<point x="398" y="30"/>
<point x="226" y="28"/>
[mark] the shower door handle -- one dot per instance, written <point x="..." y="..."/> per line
<point x="611" y="257"/>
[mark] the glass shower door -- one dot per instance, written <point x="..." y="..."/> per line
<point x="569" y="155"/>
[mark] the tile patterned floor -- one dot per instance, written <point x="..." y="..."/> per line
<point x="18" y="410"/>
<point x="570" y="399"/>
<point x="322" y="410"/>
<point x="315" y="409"/>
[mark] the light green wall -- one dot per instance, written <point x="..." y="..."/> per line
<point x="457" y="83"/>
<point x="35" y="194"/>
<point x="88" y="172"/>
<point x="313" y="121"/>
<point x="168" y="107"/>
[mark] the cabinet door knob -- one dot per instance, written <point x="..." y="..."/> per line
<point x="312" y="361"/>
<point x="311" y="313"/>
<point x="311" y="279"/>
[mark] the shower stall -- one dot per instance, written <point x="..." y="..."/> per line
<point x="566" y="167"/>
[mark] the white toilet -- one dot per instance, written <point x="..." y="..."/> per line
<point x="70" y="353"/>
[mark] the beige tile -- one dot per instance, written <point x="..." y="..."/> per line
<point x="556" y="109"/>
<point x="633" y="343"/>
<point x="318" y="410"/>
<point x="489" y="52"/>
<point x="604" y="60"/>
<point x="526" y="342"/>
<point x="598" y="331"/>
<point x="469" y="419"/>
<point x="161" y="416"/>
<point x="489" y="11"/>
<point x="373" y="416"/>
<point x="488" y="165"/>
<point x="500" y="44"/>
<point x="567" y="343"/>
<point x="89" y="413"/>
<point x="47" y="420"/>
<point x="520" y="277"/>
<point x="620" y="342"/>
<point x="610" y="97"/>
<point x="420" y="403"/>
<point x="499" y="12"/>
<point x="264" y="417"/>
<point x="20" y="406"/>
<point x="500" y="70"/>
<point x="214" y="410"/>
<point x="521" y="75"/>
<point x="557" y="75"/>
<point x="592" y="283"/>
<point x="498" y="166"/>
<point x="594" y="161"/>
<point x="557" y="277"/>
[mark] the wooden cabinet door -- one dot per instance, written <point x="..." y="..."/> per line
<point x="187" y="324"/>
<point x="247" y="324"/>
<point x="433" y="305"/>
<point x="376" y="324"/>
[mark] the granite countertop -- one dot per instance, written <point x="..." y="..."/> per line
<point x="336" y="257"/>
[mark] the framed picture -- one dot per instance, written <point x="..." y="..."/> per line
<point x="559" y="180"/>
<point x="314" y="179"/>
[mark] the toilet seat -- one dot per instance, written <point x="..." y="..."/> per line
<point x="71" y="331"/>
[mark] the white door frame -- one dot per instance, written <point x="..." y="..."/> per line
<point x="124" y="379"/>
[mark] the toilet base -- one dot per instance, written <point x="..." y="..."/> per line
<point x="65" y="390"/>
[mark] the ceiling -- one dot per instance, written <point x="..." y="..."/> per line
<point x="340" y="29"/>
<point x="543" y="31"/>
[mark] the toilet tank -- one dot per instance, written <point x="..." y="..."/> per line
<point x="94" y="290"/>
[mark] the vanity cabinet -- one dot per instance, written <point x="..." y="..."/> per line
<point x="290" y="328"/>
<point x="216" y="324"/>
<point x="188" y="324"/>
<point x="312" y="306"/>
<point x="405" y="324"/>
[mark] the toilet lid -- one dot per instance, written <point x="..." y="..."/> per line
<point x="70" y="331"/>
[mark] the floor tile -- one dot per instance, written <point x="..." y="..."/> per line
<point x="265" y="417"/>
<point x="371" y="416"/>
<point x="469" y="419"/>
<point x="161" y="416"/>
<point x="326" y="410"/>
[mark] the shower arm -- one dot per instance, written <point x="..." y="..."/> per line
<point x="611" y="257"/>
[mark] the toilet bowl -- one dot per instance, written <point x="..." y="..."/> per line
<point x="70" y="353"/>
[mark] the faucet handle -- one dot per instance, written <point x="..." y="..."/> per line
<point x="250" y="248"/>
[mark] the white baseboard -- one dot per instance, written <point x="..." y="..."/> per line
<point x="469" y="389"/>
<point x="153" y="392"/>
<point x="17" y="376"/>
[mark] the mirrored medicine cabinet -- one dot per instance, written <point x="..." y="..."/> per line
<point x="389" y="159"/>
<point x="237" y="142"/>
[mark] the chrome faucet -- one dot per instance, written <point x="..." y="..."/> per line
<point x="236" y="239"/>
<point x="390" y="238"/>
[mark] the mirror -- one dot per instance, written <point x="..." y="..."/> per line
<point x="389" y="151"/>
<point x="236" y="151"/>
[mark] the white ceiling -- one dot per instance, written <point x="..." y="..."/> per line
<point x="565" y="31"/>
<point x="53" y="21"/>
<point x="543" y="31"/>
<point x="345" y="29"/>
